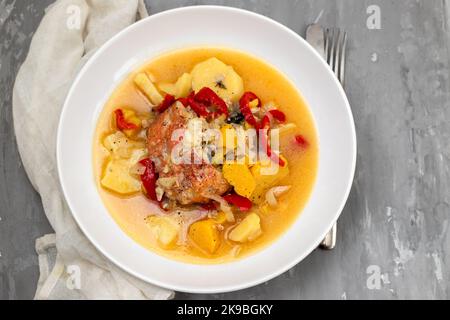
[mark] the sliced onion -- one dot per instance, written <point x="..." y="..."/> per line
<point x="224" y="206"/>
<point x="285" y="128"/>
<point x="273" y="193"/>
<point x="235" y="251"/>
<point x="280" y="190"/>
<point x="270" y="198"/>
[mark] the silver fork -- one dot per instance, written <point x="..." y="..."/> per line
<point x="331" y="45"/>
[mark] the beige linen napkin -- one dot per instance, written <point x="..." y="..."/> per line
<point x="69" y="33"/>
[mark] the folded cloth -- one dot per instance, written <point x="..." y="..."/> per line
<point x="71" y="30"/>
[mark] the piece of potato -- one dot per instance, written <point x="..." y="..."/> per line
<point x="120" y="146"/>
<point x="179" y="89"/>
<point x="116" y="177"/>
<point x="148" y="88"/>
<point x="204" y="234"/>
<point x="264" y="182"/>
<point x="217" y="76"/>
<point x="240" y="177"/>
<point x="164" y="229"/>
<point x="248" y="230"/>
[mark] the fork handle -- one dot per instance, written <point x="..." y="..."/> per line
<point x="329" y="242"/>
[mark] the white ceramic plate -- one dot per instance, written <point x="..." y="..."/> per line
<point x="194" y="26"/>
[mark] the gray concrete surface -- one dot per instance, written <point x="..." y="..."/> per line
<point x="393" y="238"/>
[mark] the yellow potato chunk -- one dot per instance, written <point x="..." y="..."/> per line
<point x="248" y="230"/>
<point x="265" y="181"/>
<point x="148" y="88"/>
<point x="240" y="177"/>
<point x="117" y="178"/>
<point x="179" y="89"/>
<point x="205" y="235"/>
<point x="218" y="76"/>
<point x="164" y="229"/>
<point x="120" y="146"/>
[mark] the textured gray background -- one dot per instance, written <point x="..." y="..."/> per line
<point x="396" y="219"/>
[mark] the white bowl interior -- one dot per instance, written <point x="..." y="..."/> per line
<point x="194" y="26"/>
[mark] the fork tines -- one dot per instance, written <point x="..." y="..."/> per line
<point x="335" y="48"/>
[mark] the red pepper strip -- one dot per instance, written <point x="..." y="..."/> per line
<point x="166" y="103"/>
<point x="121" y="123"/>
<point x="199" y="108"/>
<point x="301" y="140"/>
<point x="241" y="202"/>
<point x="209" y="98"/>
<point x="149" y="177"/>
<point x="185" y="101"/>
<point x="210" y="206"/>
<point x="272" y="155"/>
<point x="276" y="114"/>
<point x="244" y="102"/>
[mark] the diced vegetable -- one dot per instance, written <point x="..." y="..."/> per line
<point x="149" y="178"/>
<point x="179" y="89"/>
<point x="265" y="143"/>
<point x="121" y="146"/>
<point x="167" y="102"/>
<point x="164" y="229"/>
<point x="265" y="181"/>
<point x="117" y="177"/>
<point x="248" y="230"/>
<point x="219" y="77"/>
<point x="148" y="88"/>
<point x="244" y="105"/>
<point x="206" y="103"/>
<point x="127" y="121"/>
<point x="301" y="141"/>
<point x="240" y="177"/>
<point x="241" y="202"/>
<point x="205" y="235"/>
<point x="220" y="218"/>
<point x="273" y="193"/>
<point x="272" y="114"/>
<point x="286" y="129"/>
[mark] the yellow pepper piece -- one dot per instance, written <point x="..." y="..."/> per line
<point x="240" y="177"/>
<point x="266" y="181"/>
<point x="205" y="235"/>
